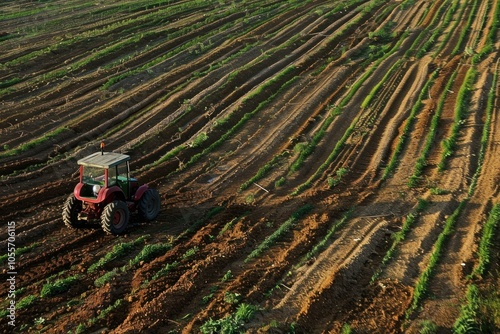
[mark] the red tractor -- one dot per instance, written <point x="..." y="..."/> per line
<point x="107" y="192"/>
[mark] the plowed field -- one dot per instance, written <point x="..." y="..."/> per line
<point x="323" y="166"/>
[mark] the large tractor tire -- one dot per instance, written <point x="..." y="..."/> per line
<point x="114" y="217"/>
<point x="72" y="207"/>
<point x="149" y="205"/>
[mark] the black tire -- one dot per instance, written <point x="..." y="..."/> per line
<point x="72" y="207"/>
<point x="114" y="217"/>
<point x="149" y="205"/>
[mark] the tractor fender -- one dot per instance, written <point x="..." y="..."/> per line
<point x="140" y="191"/>
<point x="77" y="190"/>
<point x="110" y="194"/>
<point x="105" y="195"/>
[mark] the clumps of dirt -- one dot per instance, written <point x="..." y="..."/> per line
<point x="381" y="308"/>
<point x="85" y="310"/>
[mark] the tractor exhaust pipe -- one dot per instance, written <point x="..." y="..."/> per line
<point x="102" y="148"/>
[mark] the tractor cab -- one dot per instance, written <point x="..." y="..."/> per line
<point x="100" y="171"/>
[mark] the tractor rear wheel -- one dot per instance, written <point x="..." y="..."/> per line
<point x="149" y="205"/>
<point x="72" y="207"/>
<point x="114" y="217"/>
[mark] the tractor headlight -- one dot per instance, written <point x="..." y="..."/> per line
<point x="96" y="189"/>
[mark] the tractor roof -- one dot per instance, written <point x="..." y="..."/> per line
<point x="104" y="160"/>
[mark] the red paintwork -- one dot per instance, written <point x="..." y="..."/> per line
<point x="140" y="191"/>
<point x="92" y="207"/>
<point x="92" y="210"/>
<point x="105" y="196"/>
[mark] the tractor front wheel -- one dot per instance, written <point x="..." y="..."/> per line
<point x="149" y="205"/>
<point x="114" y="217"/>
<point x="72" y="207"/>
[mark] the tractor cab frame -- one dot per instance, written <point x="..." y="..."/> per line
<point x="109" y="171"/>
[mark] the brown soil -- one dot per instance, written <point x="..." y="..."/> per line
<point x="240" y="86"/>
